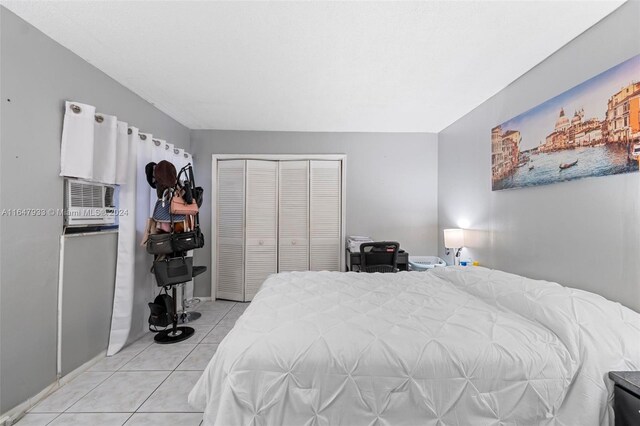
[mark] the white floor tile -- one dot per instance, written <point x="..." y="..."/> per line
<point x="210" y="317"/>
<point x="86" y="419"/>
<point x="139" y="378"/>
<point x="240" y="307"/>
<point x="70" y="393"/>
<point x="217" y="334"/>
<point x="146" y="337"/>
<point x="227" y="322"/>
<point x="171" y="396"/>
<point x="233" y="315"/>
<point x="165" y="419"/>
<point x="159" y="357"/>
<point x="36" y="419"/>
<point x="114" y="362"/>
<point x="199" y="358"/>
<point x="218" y="305"/>
<point x="200" y="330"/>
<point x="123" y="392"/>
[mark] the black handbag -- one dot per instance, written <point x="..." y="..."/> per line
<point x="196" y="192"/>
<point x="189" y="240"/>
<point x="160" y="244"/>
<point x="199" y="237"/>
<point x="172" y="271"/>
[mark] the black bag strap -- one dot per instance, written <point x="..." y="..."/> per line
<point x="192" y="183"/>
<point x="188" y="172"/>
<point x="192" y="180"/>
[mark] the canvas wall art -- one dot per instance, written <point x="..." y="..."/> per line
<point x="592" y="129"/>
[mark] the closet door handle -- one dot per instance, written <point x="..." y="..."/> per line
<point x="261" y="242"/>
<point x="294" y="242"/>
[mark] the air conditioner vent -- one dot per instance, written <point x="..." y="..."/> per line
<point x="88" y="203"/>
<point x="108" y="197"/>
<point x="76" y="194"/>
<point x="96" y="197"/>
<point x="87" y="195"/>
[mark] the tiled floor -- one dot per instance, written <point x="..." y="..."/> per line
<point x="145" y="383"/>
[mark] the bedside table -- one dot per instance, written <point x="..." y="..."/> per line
<point x="626" y="402"/>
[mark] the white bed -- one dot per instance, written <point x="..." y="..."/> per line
<point x="454" y="346"/>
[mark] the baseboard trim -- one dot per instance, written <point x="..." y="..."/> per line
<point x="12" y="416"/>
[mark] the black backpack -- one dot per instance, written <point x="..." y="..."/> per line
<point x="161" y="312"/>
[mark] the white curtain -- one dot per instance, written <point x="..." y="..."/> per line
<point x="76" y="156"/>
<point x="123" y="153"/>
<point x="143" y="290"/>
<point x="94" y="145"/>
<point x="100" y="148"/>
<point x="127" y="249"/>
<point x="105" y="140"/>
<point x="168" y="153"/>
<point x="131" y="308"/>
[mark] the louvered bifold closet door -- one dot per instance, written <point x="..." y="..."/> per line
<point x="261" y="251"/>
<point x="325" y="215"/>
<point x="293" y="226"/>
<point x="230" y="233"/>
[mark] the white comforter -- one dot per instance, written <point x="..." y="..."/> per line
<point x="454" y="346"/>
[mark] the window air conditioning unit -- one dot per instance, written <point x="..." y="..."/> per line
<point x="88" y="203"/>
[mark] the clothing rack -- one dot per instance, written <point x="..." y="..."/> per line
<point x="175" y="333"/>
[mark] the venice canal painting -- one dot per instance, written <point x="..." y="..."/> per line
<point x="592" y="129"/>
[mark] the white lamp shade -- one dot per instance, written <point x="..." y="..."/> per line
<point x="453" y="238"/>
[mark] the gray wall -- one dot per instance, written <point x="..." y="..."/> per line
<point x="584" y="233"/>
<point x="36" y="76"/>
<point x="391" y="181"/>
<point x="86" y="296"/>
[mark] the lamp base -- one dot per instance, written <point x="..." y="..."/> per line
<point x="455" y="255"/>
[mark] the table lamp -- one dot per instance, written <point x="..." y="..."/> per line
<point x="454" y="240"/>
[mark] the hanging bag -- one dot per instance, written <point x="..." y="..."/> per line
<point x="162" y="209"/>
<point x="196" y="191"/>
<point x="180" y="207"/>
<point x="161" y="312"/>
<point x="160" y="244"/>
<point x="190" y="240"/>
<point x="193" y="192"/>
<point x="182" y="201"/>
<point x="173" y="271"/>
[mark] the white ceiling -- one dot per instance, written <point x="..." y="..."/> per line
<point x="314" y="66"/>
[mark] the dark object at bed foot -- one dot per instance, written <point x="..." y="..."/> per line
<point x="626" y="397"/>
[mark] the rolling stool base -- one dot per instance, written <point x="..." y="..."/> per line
<point x="167" y="336"/>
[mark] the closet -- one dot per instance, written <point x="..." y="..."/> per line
<point x="274" y="215"/>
